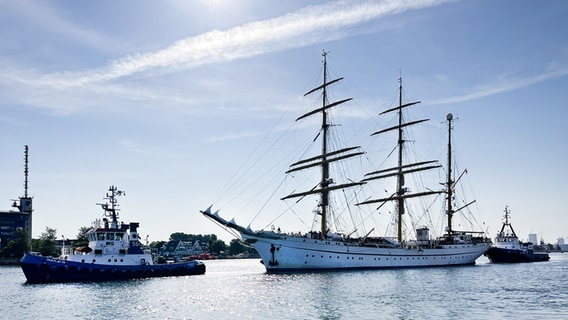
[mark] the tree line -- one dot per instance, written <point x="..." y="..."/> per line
<point x="47" y="245"/>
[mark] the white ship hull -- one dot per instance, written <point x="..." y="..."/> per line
<point x="284" y="253"/>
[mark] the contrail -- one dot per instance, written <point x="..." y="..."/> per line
<point x="307" y="26"/>
<point x="503" y="85"/>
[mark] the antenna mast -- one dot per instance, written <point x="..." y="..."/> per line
<point x="26" y="171"/>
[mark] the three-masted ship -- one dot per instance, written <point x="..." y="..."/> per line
<point x="325" y="250"/>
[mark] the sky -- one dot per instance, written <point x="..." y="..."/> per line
<point x="170" y="101"/>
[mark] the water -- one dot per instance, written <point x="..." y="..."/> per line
<point x="240" y="289"/>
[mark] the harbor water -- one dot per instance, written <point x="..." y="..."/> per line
<point x="240" y="289"/>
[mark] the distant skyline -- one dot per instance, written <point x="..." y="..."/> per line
<point x="168" y="100"/>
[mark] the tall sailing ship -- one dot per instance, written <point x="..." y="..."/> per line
<point x="326" y="250"/>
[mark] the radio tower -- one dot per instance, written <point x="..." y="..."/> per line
<point x="26" y="149"/>
<point x="24" y="204"/>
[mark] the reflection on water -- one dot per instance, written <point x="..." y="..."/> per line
<point x="240" y="289"/>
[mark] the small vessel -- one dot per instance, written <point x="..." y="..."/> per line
<point x="114" y="252"/>
<point x="329" y="247"/>
<point x="508" y="248"/>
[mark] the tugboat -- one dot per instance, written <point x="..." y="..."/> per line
<point x="114" y="253"/>
<point x="508" y="249"/>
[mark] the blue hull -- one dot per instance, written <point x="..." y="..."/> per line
<point x="501" y="255"/>
<point x="38" y="269"/>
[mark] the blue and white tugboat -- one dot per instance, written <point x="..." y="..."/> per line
<point x="114" y="253"/>
<point x="508" y="248"/>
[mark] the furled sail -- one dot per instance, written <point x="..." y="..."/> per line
<point x="323" y="160"/>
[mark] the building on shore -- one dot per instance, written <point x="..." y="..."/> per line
<point x="182" y="248"/>
<point x="560" y="244"/>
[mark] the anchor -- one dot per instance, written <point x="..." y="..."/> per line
<point x="273" y="261"/>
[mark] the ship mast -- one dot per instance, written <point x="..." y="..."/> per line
<point x="401" y="169"/>
<point x="112" y="209"/>
<point x="325" y="181"/>
<point x="326" y="185"/>
<point x="449" y="181"/>
<point x="507" y="224"/>
<point x="400" y="176"/>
